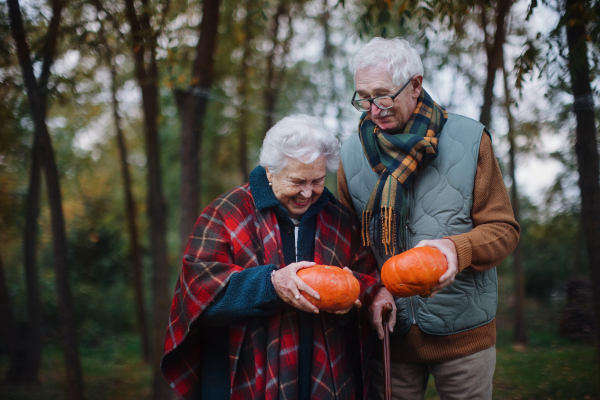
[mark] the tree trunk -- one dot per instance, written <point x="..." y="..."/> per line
<point x="272" y="83"/>
<point x="494" y="53"/>
<point x="328" y="54"/>
<point x="33" y="352"/>
<point x="143" y="45"/>
<point x="135" y="252"/>
<point x="37" y="102"/>
<point x="519" y="327"/>
<point x="586" y="145"/>
<point x="16" y="364"/>
<point x="192" y="106"/>
<point x="243" y="93"/>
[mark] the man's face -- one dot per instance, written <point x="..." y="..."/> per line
<point x="375" y="82"/>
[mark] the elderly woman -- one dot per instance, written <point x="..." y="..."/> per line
<point x="240" y="327"/>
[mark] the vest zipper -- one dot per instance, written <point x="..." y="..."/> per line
<point x="412" y="308"/>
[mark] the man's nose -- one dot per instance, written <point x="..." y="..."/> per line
<point x="374" y="109"/>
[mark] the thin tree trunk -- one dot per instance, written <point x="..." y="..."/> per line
<point x="37" y="102"/>
<point x="33" y="352"/>
<point x="192" y="106"/>
<point x="494" y="53"/>
<point x="586" y="145"/>
<point x="272" y="84"/>
<point x="328" y="54"/>
<point x="243" y="93"/>
<point x="135" y="252"/>
<point x="519" y="326"/>
<point x="146" y="70"/>
<point x="16" y="367"/>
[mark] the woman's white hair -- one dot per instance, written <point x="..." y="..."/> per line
<point x="302" y="137"/>
<point x="402" y="61"/>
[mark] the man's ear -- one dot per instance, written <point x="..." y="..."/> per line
<point x="417" y="86"/>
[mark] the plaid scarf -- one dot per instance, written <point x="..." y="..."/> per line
<point x="230" y="235"/>
<point x="397" y="159"/>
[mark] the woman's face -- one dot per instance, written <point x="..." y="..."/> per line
<point x="299" y="185"/>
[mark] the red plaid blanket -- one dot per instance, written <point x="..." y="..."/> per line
<point x="231" y="235"/>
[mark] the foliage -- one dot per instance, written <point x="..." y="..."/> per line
<point x="313" y="77"/>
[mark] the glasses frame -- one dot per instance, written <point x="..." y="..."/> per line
<point x="356" y="103"/>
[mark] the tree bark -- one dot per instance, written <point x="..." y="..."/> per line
<point x="16" y="368"/>
<point x="494" y="53"/>
<point x="192" y="106"/>
<point x="519" y="327"/>
<point x="33" y="352"/>
<point x="272" y="81"/>
<point x="36" y="94"/>
<point x="243" y="93"/>
<point x="586" y="145"/>
<point x="143" y="45"/>
<point x="135" y="252"/>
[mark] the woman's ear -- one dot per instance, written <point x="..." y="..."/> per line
<point x="269" y="175"/>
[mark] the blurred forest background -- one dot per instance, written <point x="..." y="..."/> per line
<point x="121" y="120"/>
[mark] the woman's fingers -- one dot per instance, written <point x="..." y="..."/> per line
<point x="301" y="285"/>
<point x="302" y="264"/>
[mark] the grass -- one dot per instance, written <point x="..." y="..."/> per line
<point x="112" y="371"/>
<point x="550" y="367"/>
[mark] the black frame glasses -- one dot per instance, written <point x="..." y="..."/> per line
<point x="358" y="103"/>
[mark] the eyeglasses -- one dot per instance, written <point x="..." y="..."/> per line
<point x="383" y="102"/>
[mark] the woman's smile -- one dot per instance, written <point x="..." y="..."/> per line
<point x="298" y="185"/>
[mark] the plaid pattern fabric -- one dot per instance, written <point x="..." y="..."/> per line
<point x="231" y="235"/>
<point x="397" y="159"/>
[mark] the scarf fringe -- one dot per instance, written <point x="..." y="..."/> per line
<point x="389" y="231"/>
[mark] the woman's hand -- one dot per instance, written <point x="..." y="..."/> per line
<point x="288" y="286"/>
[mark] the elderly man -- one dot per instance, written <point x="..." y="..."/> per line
<point x="416" y="175"/>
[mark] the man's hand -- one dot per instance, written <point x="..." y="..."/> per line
<point x="288" y="286"/>
<point x="446" y="246"/>
<point x="382" y="297"/>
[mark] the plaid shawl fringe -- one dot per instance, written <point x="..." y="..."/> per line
<point x="231" y="235"/>
<point x="397" y="159"/>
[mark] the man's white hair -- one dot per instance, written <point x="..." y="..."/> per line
<point x="402" y="61"/>
<point x="302" y="137"/>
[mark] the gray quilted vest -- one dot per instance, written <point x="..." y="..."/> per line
<point x="439" y="205"/>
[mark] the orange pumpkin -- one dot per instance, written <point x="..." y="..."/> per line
<point x="339" y="289"/>
<point x="413" y="272"/>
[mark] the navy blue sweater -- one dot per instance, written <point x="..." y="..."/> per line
<point x="250" y="293"/>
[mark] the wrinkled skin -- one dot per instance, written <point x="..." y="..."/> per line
<point x="288" y="286"/>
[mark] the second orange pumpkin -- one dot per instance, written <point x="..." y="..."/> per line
<point x="413" y="272"/>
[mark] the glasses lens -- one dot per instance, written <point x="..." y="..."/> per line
<point x="365" y="105"/>
<point x="384" y="102"/>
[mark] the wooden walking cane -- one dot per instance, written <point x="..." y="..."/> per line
<point x="387" y="373"/>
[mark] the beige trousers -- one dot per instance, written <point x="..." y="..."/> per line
<point x="468" y="377"/>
